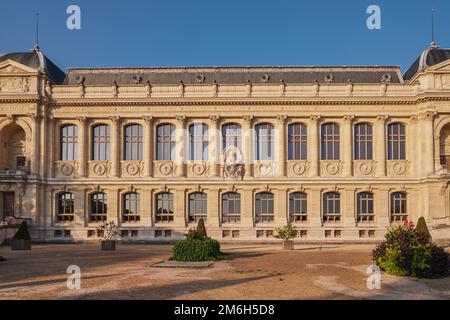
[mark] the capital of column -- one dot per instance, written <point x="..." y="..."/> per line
<point x="181" y="120"/>
<point x="214" y="119"/>
<point x="281" y="119"/>
<point x="148" y="120"/>
<point x="427" y="115"/>
<point x="314" y="118"/>
<point x="382" y="118"/>
<point x="82" y="120"/>
<point x="34" y="117"/>
<point x="248" y="119"/>
<point x="348" y="118"/>
<point x="114" y="119"/>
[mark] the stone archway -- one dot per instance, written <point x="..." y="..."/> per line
<point x="13" y="147"/>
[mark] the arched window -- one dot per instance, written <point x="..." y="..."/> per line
<point x="396" y="141"/>
<point x="101" y="141"/>
<point x="264" y="141"/>
<point x="99" y="207"/>
<point x="133" y="142"/>
<point x="166" y="142"/>
<point x="330" y="143"/>
<point x="364" y="207"/>
<point x="198" y="206"/>
<point x="69" y="142"/>
<point x="131" y="207"/>
<point x="231" y="207"/>
<point x="264" y="207"/>
<point x="298" y="207"/>
<point x="231" y="136"/>
<point x="164" y="207"/>
<point x="198" y="142"/>
<point x="363" y="141"/>
<point x="331" y="207"/>
<point x="398" y="207"/>
<point x="65" y="210"/>
<point x="297" y="142"/>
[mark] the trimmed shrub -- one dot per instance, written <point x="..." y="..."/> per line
<point x="409" y="252"/>
<point x="22" y="233"/>
<point x="201" y="227"/>
<point x="196" y="247"/>
<point x="422" y="230"/>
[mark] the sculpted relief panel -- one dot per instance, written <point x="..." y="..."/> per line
<point x="17" y="85"/>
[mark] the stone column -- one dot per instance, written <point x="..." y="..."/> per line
<point x="213" y="145"/>
<point x="148" y="146"/>
<point x="380" y="145"/>
<point x="427" y="140"/>
<point x="180" y="154"/>
<point x="83" y="148"/>
<point x="146" y="206"/>
<point x="115" y="146"/>
<point x="347" y="145"/>
<point x="314" y="207"/>
<point x="280" y="146"/>
<point x="213" y="209"/>
<point x="51" y="154"/>
<point x="348" y="209"/>
<point x="114" y="206"/>
<point x="35" y="143"/>
<point x="281" y="199"/>
<point x="247" y="147"/>
<point x="383" y="208"/>
<point x="247" y="200"/>
<point x="313" y="146"/>
<point x="179" y="218"/>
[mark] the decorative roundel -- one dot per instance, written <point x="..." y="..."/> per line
<point x="299" y="169"/>
<point x="67" y="169"/>
<point x="386" y="77"/>
<point x="198" y="169"/>
<point x="265" y="78"/>
<point x="399" y="168"/>
<point x="136" y="79"/>
<point x="99" y="169"/>
<point x="165" y="169"/>
<point x="266" y="169"/>
<point x="132" y="169"/>
<point x="332" y="168"/>
<point x="365" y="168"/>
<point x="79" y="79"/>
<point x="201" y="78"/>
<point x="329" y="78"/>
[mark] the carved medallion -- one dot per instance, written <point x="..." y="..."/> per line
<point x="132" y="169"/>
<point x="198" y="169"/>
<point x="299" y="169"/>
<point x="267" y="169"/>
<point x="99" y="169"/>
<point x="332" y="168"/>
<point x="399" y="168"/>
<point x="366" y="168"/>
<point x="165" y="168"/>
<point x="67" y="169"/>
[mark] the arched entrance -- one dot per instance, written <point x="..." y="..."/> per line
<point x="444" y="146"/>
<point x="13" y="148"/>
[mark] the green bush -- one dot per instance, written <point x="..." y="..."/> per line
<point x="287" y="233"/>
<point x="408" y="251"/>
<point x="22" y="233"/>
<point x="196" y="247"/>
<point x="422" y="230"/>
<point x="201" y="227"/>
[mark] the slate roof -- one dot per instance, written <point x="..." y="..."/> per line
<point x="429" y="57"/>
<point x="37" y="60"/>
<point x="233" y="75"/>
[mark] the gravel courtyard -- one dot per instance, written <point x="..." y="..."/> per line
<point x="249" y="272"/>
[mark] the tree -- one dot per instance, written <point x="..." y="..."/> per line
<point x="201" y="227"/>
<point x="22" y="233"/>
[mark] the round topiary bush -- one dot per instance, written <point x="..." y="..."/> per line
<point x="408" y="251"/>
<point x="196" y="247"/>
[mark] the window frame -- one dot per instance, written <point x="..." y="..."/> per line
<point x="363" y="141"/>
<point x="301" y="203"/>
<point x="65" y="208"/>
<point x="198" y="142"/>
<point x="96" y="215"/>
<point x="396" y="141"/>
<point x="101" y="142"/>
<point x="263" y="214"/>
<point x="165" y="142"/>
<point x="265" y="141"/>
<point x="331" y="200"/>
<point x="234" y="215"/>
<point x="330" y="142"/>
<point x="365" y="200"/>
<point x="297" y="139"/>
<point x="69" y="142"/>
<point x="130" y="200"/>
<point x="166" y="199"/>
<point x="401" y="214"/>
<point x="133" y="141"/>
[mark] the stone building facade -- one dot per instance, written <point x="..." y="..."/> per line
<point x="341" y="152"/>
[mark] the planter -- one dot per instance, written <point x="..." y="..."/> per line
<point x="288" y="244"/>
<point x="108" y="245"/>
<point x="19" y="244"/>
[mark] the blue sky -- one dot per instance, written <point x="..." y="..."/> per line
<point x="228" y="32"/>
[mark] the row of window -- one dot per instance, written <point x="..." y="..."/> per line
<point x="231" y="207"/>
<point x="231" y="137"/>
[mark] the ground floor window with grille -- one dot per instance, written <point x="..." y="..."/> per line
<point x="164" y="207"/>
<point x="331" y="207"/>
<point x="231" y="207"/>
<point x="398" y="207"/>
<point x="131" y="207"/>
<point x="197" y="206"/>
<point x="364" y="207"/>
<point x="98" y="207"/>
<point x="264" y="207"/>
<point x="298" y="209"/>
<point x="65" y="207"/>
